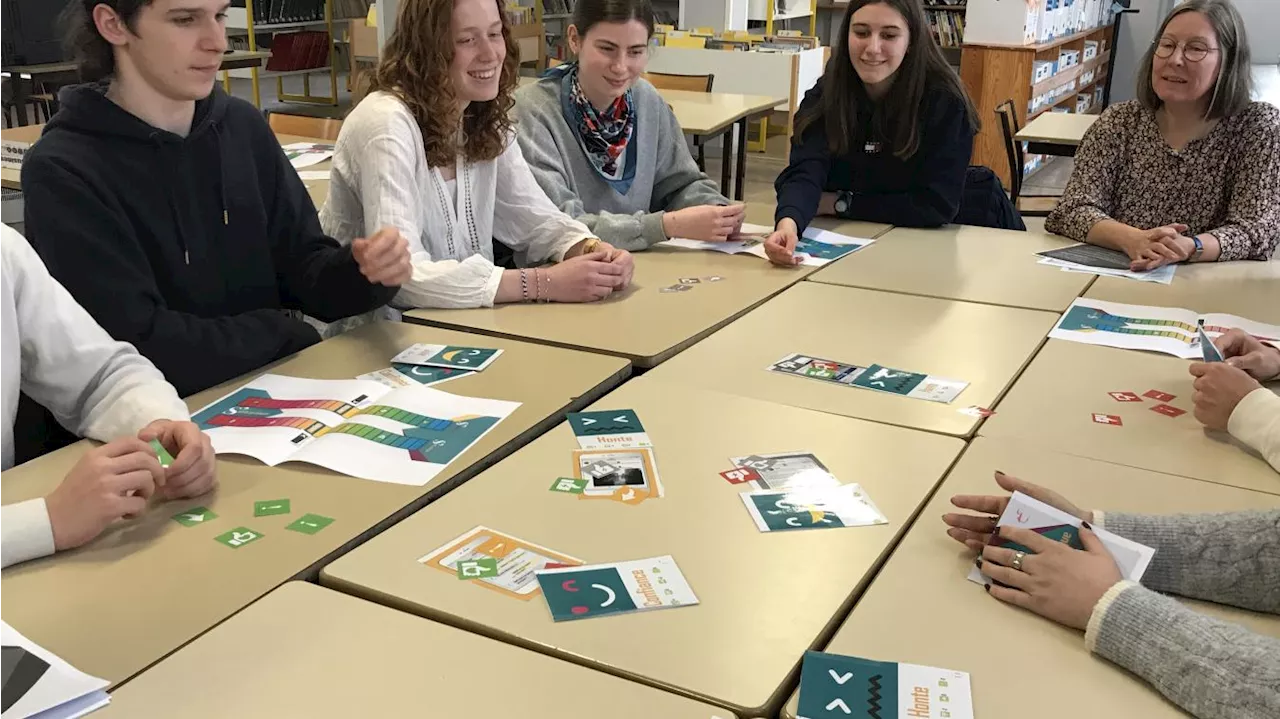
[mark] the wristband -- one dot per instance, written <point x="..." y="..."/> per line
<point x="524" y="284"/>
<point x="1195" y="255"/>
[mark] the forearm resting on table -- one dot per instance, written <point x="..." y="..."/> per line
<point x="1112" y="234"/>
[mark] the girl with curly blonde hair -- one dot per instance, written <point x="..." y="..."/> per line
<point x="431" y="151"/>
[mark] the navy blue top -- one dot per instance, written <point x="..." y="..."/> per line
<point x="922" y="191"/>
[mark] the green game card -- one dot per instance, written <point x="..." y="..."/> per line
<point x="162" y="454"/>
<point x="238" y="537"/>
<point x="194" y="517"/>
<point x="478" y="568"/>
<point x="569" y="485"/>
<point x="884" y="379"/>
<point x="309" y="523"/>
<point x="472" y="358"/>
<point x="269" y="507"/>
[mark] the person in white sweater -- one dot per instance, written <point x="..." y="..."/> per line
<point x="1230" y="395"/>
<point x="431" y="151"/>
<point x="98" y="388"/>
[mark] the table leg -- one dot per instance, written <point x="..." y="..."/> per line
<point x="20" y="97"/>
<point x="725" y="159"/>
<point x="740" y="190"/>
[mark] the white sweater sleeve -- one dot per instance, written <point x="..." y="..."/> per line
<point x="385" y="149"/>
<point x="1256" y="422"/>
<point x="94" y="385"/>
<point x="525" y="219"/>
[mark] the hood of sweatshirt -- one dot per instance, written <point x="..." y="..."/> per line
<point x="85" y="109"/>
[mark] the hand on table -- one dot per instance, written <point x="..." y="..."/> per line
<point x="975" y="532"/>
<point x="1219" y="388"/>
<point x="193" y="471"/>
<point x="1055" y="581"/>
<point x="587" y="278"/>
<point x="110" y="482"/>
<point x="619" y="258"/>
<point x="1245" y="351"/>
<point x="709" y="223"/>
<point x="1159" y="246"/>
<point x="384" y="257"/>
<point x="780" y="247"/>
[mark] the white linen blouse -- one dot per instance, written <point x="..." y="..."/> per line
<point x="380" y="178"/>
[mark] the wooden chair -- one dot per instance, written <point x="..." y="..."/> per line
<point x="691" y="83"/>
<point x="1029" y="205"/>
<point x="321" y="128"/>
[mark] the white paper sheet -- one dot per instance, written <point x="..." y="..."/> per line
<point x="356" y="427"/>
<point x="820" y="242"/>
<point x="306" y="154"/>
<point x="313" y="174"/>
<point x="1160" y="275"/>
<point x="1170" y="330"/>
<point x="60" y="692"/>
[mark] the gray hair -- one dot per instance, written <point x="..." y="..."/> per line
<point x="1233" y="89"/>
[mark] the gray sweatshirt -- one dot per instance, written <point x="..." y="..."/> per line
<point x="667" y="178"/>
<point x="1211" y="668"/>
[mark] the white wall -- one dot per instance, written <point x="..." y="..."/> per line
<point x="1262" y="22"/>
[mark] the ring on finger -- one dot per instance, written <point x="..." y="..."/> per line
<point x="1017" y="560"/>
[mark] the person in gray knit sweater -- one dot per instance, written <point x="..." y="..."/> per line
<point x="1211" y="668"/>
<point x="605" y="146"/>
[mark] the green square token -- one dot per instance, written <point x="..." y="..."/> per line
<point x="309" y="523"/>
<point x="194" y="517"/>
<point x="269" y="507"/>
<point x="569" y="485"/>
<point x="238" y="537"/>
<point x="478" y="568"/>
<point x="162" y="454"/>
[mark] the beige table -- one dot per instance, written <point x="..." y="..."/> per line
<point x="957" y="262"/>
<point x="1247" y="289"/>
<point x="764" y="597"/>
<point x="304" y="651"/>
<point x="1053" y="403"/>
<point x="983" y="345"/>
<point x="318" y="190"/>
<point x="1056" y="133"/>
<point x="922" y="610"/>
<point x="148" y="586"/>
<point x="642" y="324"/>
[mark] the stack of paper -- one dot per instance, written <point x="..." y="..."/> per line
<point x="816" y="248"/>
<point x="38" y="682"/>
<point x="1094" y="260"/>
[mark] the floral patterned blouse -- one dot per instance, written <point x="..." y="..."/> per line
<point x="1226" y="183"/>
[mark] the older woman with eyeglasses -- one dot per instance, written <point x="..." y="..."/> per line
<point x="1189" y="171"/>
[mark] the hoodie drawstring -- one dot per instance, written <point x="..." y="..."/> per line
<point x="173" y="200"/>
<point x="222" y="173"/>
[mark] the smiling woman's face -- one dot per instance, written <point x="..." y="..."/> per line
<point x="1174" y="78"/>
<point x="878" y="41"/>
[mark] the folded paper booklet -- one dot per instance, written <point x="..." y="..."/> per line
<point x="834" y="686"/>
<point x="616" y="588"/>
<point x="1170" y="330"/>
<point x="356" y="427"/>
<point x="37" y="683"/>
<point x="1030" y="513"/>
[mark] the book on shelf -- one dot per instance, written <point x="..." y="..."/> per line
<point x="350" y="9"/>
<point x="558" y="7"/>
<point x="947" y="27"/>
<point x="271" y="12"/>
<point x="298" y="51"/>
<point x="520" y="14"/>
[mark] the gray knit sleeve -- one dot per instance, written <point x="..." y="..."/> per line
<point x="678" y="183"/>
<point x="1211" y="668"/>
<point x="1230" y="558"/>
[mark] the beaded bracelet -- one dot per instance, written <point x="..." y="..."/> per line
<point x="524" y="284"/>
<point x="547" y="294"/>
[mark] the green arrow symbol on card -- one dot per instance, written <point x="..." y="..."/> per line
<point x="194" y="516"/>
<point x="268" y="507"/>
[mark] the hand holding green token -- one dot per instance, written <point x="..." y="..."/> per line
<point x="162" y="454"/>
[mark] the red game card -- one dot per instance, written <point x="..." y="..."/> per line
<point x="1159" y="396"/>
<point x="1125" y="396"/>
<point x="1168" y="411"/>
<point x="738" y="475"/>
<point x="1107" y="419"/>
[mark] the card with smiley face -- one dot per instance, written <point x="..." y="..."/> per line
<point x="616" y="588"/>
<point x="812" y="507"/>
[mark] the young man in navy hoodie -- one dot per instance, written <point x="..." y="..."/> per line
<point x="169" y="210"/>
